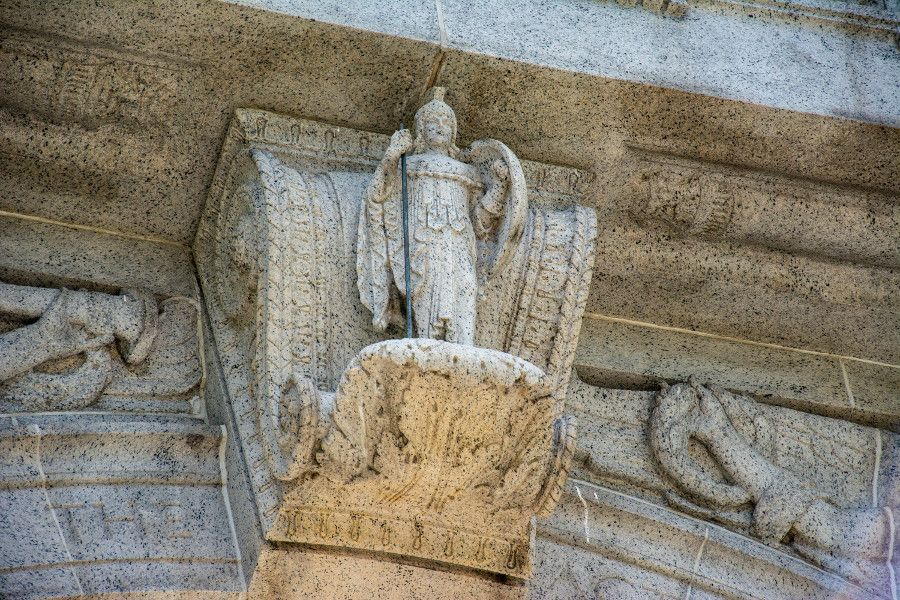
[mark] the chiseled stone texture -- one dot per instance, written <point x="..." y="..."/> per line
<point x="295" y="574"/>
<point x="741" y="159"/>
<point x="462" y="446"/>
<point x="91" y="506"/>
<point x="586" y="86"/>
<point x="385" y="446"/>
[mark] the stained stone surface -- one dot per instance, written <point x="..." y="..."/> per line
<point x="655" y="247"/>
<point x="292" y="574"/>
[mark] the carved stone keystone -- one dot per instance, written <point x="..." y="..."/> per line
<point x="442" y="449"/>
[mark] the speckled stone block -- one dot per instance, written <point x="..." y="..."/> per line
<point x="304" y="573"/>
<point x="91" y="506"/>
<point x="614" y="353"/>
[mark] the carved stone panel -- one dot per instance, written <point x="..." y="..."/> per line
<point x="64" y="350"/>
<point x="782" y="482"/>
<point x="89" y="508"/>
<point x="384" y="447"/>
<point x="437" y="451"/>
<point x="716" y="202"/>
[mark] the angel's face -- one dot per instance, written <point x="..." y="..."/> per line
<point x="438" y="131"/>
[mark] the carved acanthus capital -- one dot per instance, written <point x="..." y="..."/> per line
<point x="435" y="450"/>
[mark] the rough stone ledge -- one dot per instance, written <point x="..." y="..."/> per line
<point x="617" y="353"/>
<point x="31" y="253"/>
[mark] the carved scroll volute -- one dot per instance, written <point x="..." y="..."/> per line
<point x="287" y="400"/>
<point x="561" y="455"/>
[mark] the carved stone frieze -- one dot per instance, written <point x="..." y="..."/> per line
<point x="442" y="450"/>
<point x="74" y="82"/>
<point x="786" y="507"/>
<point x="700" y="481"/>
<point x="692" y="198"/>
<point x="64" y="350"/>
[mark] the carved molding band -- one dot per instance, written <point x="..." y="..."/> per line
<point x="691" y="198"/>
<point x="407" y="537"/>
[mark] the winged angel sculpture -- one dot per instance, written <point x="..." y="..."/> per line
<point x="468" y="209"/>
<point x="442" y="447"/>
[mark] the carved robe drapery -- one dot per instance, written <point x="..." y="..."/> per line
<point x="467" y="212"/>
<point x="443" y="266"/>
<point x="442" y="261"/>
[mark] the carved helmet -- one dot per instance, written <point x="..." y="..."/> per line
<point x="434" y="107"/>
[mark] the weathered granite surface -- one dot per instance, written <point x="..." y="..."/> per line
<point x="203" y="393"/>
<point x="148" y="91"/>
<point x="112" y="504"/>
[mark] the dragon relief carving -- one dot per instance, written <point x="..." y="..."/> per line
<point x="65" y="350"/>
<point x="784" y="507"/>
<point x="442" y="447"/>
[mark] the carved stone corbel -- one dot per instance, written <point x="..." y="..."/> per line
<point x="425" y="448"/>
<point x="435" y="450"/>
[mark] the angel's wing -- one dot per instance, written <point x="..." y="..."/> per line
<point x="376" y="251"/>
<point x="495" y="253"/>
